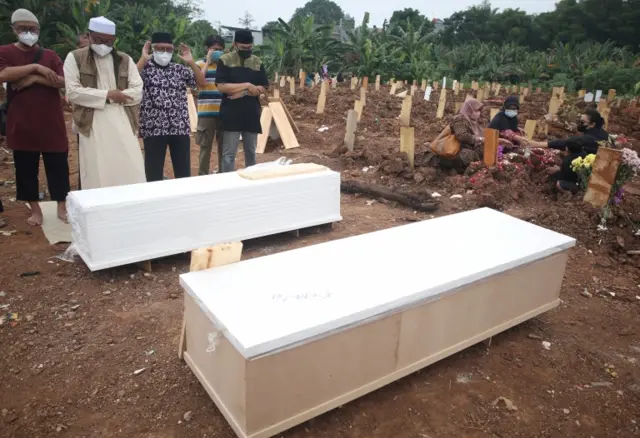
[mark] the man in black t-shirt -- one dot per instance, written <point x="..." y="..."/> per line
<point x="241" y="78"/>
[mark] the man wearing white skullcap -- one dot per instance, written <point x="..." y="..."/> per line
<point x="35" y="123"/>
<point x="105" y="89"/>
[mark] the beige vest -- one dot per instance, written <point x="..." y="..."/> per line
<point x="83" y="116"/>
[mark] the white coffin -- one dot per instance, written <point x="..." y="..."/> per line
<point x="121" y="225"/>
<point x="280" y="339"/>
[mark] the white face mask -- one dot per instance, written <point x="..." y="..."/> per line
<point x="162" y="58"/>
<point x="28" y="38"/>
<point x="101" y="49"/>
<point x="511" y="113"/>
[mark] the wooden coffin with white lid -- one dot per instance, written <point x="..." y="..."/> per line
<point x="278" y="340"/>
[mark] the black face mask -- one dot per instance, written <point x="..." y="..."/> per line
<point x="244" y="54"/>
<point x="582" y="127"/>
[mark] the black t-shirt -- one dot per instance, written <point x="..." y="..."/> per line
<point x="243" y="114"/>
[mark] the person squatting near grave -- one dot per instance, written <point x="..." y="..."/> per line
<point x="35" y="122"/>
<point x="209" y="100"/>
<point x="590" y="126"/>
<point x="164" y="114"/>
<point x="506" y="122"/>
<point x="105" y="89"/>
<point x="467" y="131"/>
<point x="241" y="77"/>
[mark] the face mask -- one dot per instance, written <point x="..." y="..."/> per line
<point x="244" y="54"/>
<point x="216" y="55"/>
<point x="101" y="49"/>
<point x="28" y="38"/>
<point x="162" y="58"/>
<point x="511" y="113"/>
<point x="582" y="127"/>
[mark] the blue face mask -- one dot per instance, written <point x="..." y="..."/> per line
<point x="216" y="55"/>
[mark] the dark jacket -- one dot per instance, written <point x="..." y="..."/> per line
<point x="590" y="145"/>
<point x="501" y="122"/>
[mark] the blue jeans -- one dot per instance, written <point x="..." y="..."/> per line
<point x="230" y="140"/>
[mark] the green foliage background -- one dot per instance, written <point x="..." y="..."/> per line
<point x="581" y="44"/>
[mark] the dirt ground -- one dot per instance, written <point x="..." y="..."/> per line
<point x="68" y="362"/>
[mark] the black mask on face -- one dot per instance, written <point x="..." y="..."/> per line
<point x="582" y="126"/>
<point x="244" y="54"/>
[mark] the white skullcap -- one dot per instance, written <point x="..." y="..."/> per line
<point x="24" y="15"/>
<point x="102" y="25"/>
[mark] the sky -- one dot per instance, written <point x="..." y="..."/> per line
<point x="264" y="10"/>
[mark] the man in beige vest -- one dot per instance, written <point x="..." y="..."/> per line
<point x="105" y="89"/>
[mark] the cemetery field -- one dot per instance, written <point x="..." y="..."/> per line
<point x="70" y="353"/>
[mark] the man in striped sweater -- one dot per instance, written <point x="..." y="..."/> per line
<point x="209" y="100"/>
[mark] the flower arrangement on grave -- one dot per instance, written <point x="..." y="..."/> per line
<point x="583" y="167"/>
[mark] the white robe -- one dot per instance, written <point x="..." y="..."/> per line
<point x="111" y="155"/>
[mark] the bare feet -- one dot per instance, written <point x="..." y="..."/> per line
<point x="62" y="212"/>
<point x="36" y="215"/>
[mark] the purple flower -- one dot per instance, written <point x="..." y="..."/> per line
<point x="500" y="153"/>
<point x="617" y="197"/>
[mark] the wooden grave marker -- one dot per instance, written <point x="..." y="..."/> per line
<point x="538" y="90"/>
<point x="354" y="82"/>
<point x="611" y="95"/>
<point x="602" y="105"/>
<point x="377" y="82"/>
<point x="603" y="176"/>
<point x="363" y="96"/>
<point x="358" y="108"/>
<point x="497" y="90"/>
<point x="441" y="103"/>
<point x="521" y="99"/>
<point x="350" y="134"/>
<point x="282" y="81"/>
<point x="554" y="105"/>
<point x="365" y="82"/>
<point x="303" y="78"/>
<point x="606" y="112"/>
<point x="582" y="93"/>
<point x="393" y="88"/>
<point x="423" y="86"/>
<point x="530" y="129"/>
<point x="474" y="85"/>
<point x="285" y="129"/>
<point x="276" y="93"/>
<point x="490" y="154"/>
<point x="457" y="106"/>
<point x="405" y="113"/>
<point x="493" y="112"/>
<point x="480" y="95"/>
<point x="322" y="98"/>
<point x="266" y="118"/>
<point x="407" y="143"/>
<point x="292" y="87"/>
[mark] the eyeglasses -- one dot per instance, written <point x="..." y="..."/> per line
<point x="163" y="50"/>
<point x="23" y="29"/>
<point x="98" y="40"/>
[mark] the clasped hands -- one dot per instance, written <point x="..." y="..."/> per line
<point x="252" y="90"/>
<point x="39" y="73"/>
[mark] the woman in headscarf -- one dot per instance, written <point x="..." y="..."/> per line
<point x="468" y="132"/>
<point x="506" y="121"/>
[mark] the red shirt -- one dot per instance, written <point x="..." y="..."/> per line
<point x="35" y="121"/>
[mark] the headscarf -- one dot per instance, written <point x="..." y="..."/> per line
<point x="503" y="123"/>
<point x="468" y="108"/>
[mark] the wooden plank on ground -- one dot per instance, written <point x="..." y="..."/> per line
<point x="284" y="126"/>
<point x="603" y="175"/>
<point x="490" y="154"/>
<point x="350" y="134"/>
<point x="530" y="129"/>
<point x="266" y="118"/>
<point x="286" y="110"/>
<point x="407" y="143"/>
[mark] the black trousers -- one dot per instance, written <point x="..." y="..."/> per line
<point x="155" y="150"/>
<point x="56" y="167"/>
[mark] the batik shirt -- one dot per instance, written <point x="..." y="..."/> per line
<point x="164" y="109"/>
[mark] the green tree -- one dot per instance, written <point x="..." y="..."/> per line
<point x="413" y="16"/>
<point x="322" y="11"/>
